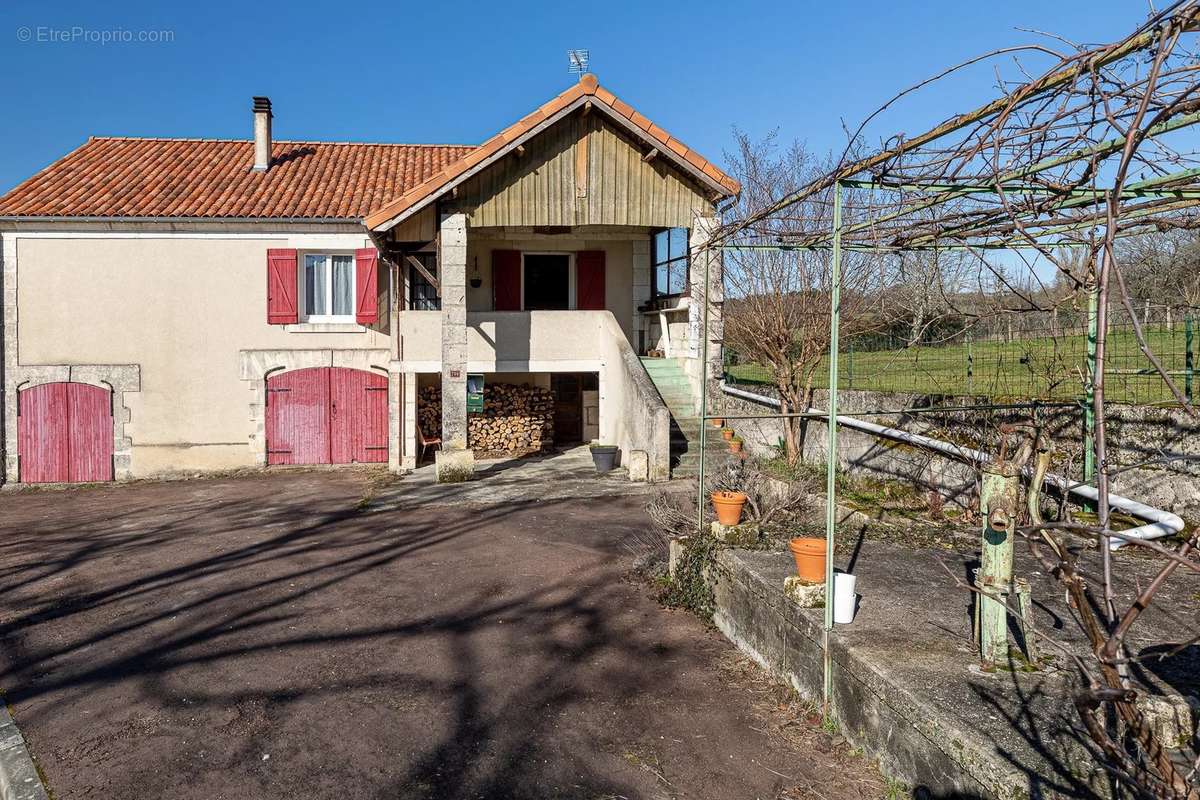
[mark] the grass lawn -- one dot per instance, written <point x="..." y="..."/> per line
<point x="1044" y="368"/>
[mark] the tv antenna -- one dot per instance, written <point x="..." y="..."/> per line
<point x="577" y="61"/>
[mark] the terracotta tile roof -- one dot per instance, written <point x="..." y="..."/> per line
<point x="587" y="86"/>
<point x="124" y="177"/>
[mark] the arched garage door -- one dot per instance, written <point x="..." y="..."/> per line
<point x="327" y="415"/>
<point x="65" y="433"/>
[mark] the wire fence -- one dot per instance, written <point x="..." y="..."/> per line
<point x="1013" y="357"/>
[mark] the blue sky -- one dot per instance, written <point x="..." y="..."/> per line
<point x="428" y="72"/>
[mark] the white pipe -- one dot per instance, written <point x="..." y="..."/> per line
<point x="1159" y="523"/>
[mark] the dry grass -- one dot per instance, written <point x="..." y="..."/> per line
<point x="837" y="770"/>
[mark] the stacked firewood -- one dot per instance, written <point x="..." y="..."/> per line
<point x="516" y="420"/>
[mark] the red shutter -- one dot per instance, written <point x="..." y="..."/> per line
<point x="506" y="280"/>
<point x="589" y="280"/>
<point x="282" y="269"/>
<point x="366" y="281"/>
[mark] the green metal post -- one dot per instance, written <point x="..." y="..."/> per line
<point x="970" y="367"/>
<point x="831" y="458"/>
<point x="998" y="505"/>
<point x="1188" y="358"/>
<point x="1089" y="414"/>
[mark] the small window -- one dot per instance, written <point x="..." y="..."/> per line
<point x="328" y="281"/>
<point x="422" y="296"/>
<point x="669" y="258"/>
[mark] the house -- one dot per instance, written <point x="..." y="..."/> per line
<point x="186" y="305"/>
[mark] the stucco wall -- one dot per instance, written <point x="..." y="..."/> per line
<point x="507" y="341"/>
<point x="182" y="309"/>
<point x="632" y="413"/>
<point x="618" y="268"/>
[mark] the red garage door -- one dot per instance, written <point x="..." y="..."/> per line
<point x="65" y="433"/>
<point x="327" y="415"/>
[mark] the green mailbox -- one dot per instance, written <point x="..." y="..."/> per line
<point x="474" y="393"/>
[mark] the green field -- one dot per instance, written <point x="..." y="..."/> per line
<point x="1043" y="368"/>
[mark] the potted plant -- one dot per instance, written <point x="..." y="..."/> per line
<point x="735" y="444"/>
<point x="727" y="433"/>
<point x="728" y="506"/>
<point x="716" y="423"/>
<point x="604" y="456"/>
<point x="809" y="555"/>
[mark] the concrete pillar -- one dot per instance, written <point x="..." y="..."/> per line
<point x="454" y="461"/>
<point x="702" y="230"/>
<point x="8" y="358"/>
<point x="410" y="449"/>
<point x="641" y="293"/>
<point x="395" y="421"/>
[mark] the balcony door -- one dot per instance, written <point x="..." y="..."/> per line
<point x="548" y="282"/>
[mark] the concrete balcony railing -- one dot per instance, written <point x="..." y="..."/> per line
<point x="632" y="414"/>
<point x="507" y="341"/>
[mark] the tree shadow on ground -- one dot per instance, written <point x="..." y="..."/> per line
<point x="236" y="583"/>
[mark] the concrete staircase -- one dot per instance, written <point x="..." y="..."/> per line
<point x="672" y="383"/>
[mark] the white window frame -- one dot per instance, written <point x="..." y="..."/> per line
<point x="572" y="303"/>
<point x="302" y="287"/>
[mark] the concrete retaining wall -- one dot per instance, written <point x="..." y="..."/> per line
<point x="904" y="692"/>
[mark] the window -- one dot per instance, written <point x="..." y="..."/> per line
<point x="421" y="294"/>
<point x="669" y="257"/>
<point x="328" y="282"/>
<point x="548" y="282"/>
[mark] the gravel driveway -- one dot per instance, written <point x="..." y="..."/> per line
<point x="274" y="636"/>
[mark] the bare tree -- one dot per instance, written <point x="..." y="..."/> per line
<point x="1163" y="267"/>
<point x="777" y="301"/>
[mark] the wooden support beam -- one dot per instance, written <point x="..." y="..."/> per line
<point x="520" y="151"/>
<point x="587" y="108"/>
<point x="416" y="264"/>
<point x="581" y="164"/>
<point x="653" y="154"/>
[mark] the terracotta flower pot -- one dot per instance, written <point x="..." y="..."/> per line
<point x="728" y="506"/>
<point x="810" y="558"/>
<point x="716" y="423"/>
<point x="727" y="433"/>
<point x="735" y="446"/>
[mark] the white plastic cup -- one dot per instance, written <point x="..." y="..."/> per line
<point x="844" y="598"/>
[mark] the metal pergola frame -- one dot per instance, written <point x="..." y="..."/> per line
<point x="1161" y="195"/>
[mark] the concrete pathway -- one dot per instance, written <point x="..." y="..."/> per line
<point x="558" y="476"/>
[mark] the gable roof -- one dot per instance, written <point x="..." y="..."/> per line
<point x="155" y="178"/>
<point x="587" y="90"/>
<point x="212" y="178"/>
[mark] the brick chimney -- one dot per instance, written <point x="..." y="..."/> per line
<point x="262" y="134"/>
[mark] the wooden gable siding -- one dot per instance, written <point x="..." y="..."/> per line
<point x="539" y="187"/>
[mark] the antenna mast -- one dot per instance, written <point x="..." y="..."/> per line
<point x="577" y="61"/>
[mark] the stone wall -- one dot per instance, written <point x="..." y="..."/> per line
<point x="1154" y="452"/>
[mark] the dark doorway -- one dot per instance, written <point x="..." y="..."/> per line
<point x="547" y="281"/>
<point x="568" y="407"/>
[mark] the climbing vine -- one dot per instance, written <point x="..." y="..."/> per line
<point x="696" y="569"/>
